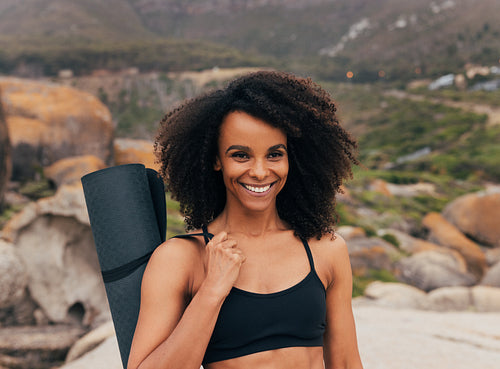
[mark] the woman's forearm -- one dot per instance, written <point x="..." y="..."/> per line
<point x="186" y="345"/>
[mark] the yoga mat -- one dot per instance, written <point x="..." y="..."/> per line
<point x="127" y="212"/>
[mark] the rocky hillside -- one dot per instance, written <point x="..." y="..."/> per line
<point x="402" y="38"/>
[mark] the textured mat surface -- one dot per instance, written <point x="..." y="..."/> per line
<point x="127" y="211"/>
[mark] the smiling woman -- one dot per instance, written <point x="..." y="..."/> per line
<point x="255" y="167"/>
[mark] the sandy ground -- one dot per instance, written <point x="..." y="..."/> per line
<point x="411" y="339"/>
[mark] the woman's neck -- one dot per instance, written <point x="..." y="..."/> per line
<point x="249" y="223"/>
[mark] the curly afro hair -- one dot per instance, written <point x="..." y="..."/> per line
<point x="320" y="151"/>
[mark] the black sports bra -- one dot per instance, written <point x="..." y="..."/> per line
<point x="251" y="322"/>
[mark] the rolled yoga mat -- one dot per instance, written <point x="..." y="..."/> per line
<point x="127" y="212"/>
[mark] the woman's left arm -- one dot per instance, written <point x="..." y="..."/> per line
<point x="340" y="342"/>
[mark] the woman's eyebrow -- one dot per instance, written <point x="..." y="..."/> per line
<point x="279" y="146"/>
<point x="237" y="147"/>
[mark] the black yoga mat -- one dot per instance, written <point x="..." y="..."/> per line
<point x="127" y="211"/>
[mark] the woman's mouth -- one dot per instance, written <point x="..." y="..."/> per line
<point x="257" y="189"/>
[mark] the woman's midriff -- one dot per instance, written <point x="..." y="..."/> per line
<point x="284" y="358"/>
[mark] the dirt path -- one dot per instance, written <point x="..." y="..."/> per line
<point x="492" y="111"/>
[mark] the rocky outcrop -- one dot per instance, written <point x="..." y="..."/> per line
<point x="446" y="234"/>
<point x="492" y="276"/>
<point x="90" y="341"/>
<point x="105" y="356"/>
<point x="13" y="276"/>
<point x="408" y="243"/>
<point x="130" y="151"/>
<point x="54" y="240"/>
<point x="71" y="170"/>
<point x="36" y="347"/>
<point x="5" y="159"/>
<point x="396" y="295"/>
<point x="48" y="122"/>
<point x="433" y="269"/>
<point x="371" y="253"/>
<point x="476" y="215"/>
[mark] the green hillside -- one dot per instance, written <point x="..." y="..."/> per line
<point x="402" y="38"/>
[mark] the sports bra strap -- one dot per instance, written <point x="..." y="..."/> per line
<point x="309" y="254"/>
<point x="206" y="235"/>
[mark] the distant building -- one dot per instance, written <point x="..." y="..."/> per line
<point x="444" y="81"/>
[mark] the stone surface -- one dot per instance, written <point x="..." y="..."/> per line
<point x="429" y="270"/>
<point x="492" y="276"/>
<point x="413" y="339"/>
<point x="48" y="122"/>
<point x="38" y="347"/>
<point x="486" y="298"/>
<point x="371" y="253"/>
<point x="70" y="170"/>
<point x="130" y="151"/>
<point x="396" y="295"/>
<point x="55" y="242"/>
<point x="105" y="356"/>
<point x="5" y="147"/>
<point x="13" y="276"/>
<point x="477" y="215"/>
<point x="446" y="234"/>
<point x="450" y="299"/>
<point x="90" y="341"/>
<point x="408" y="243"/>
<point x="350" y="232"/>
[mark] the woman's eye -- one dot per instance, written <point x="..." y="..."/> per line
<point x="239" y="155"/>
<point x="275" y="155"/>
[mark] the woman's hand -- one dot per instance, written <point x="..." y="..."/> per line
<point x="223" y="263"/>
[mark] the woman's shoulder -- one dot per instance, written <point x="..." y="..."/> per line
<point x="185" y="250"/>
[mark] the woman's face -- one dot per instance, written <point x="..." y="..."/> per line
<point x="253" y="158"/>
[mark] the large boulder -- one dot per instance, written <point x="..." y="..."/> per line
<point x="492" y="276"/>
<point x="71" y="170"/>
<point x="396" y="295"/>
<point x="131" y="151"/>
<point x="428" y="270"/>
<point x="5" y="159"/>
<point x="446" y="234"/>
<point x="48" y="122"/>
<point x="55" y="242"/>
<point x="476" y="215"/>
<point x="13" y="276"/>
<point x="367" y="253"/>
<point x="408" y="243"/>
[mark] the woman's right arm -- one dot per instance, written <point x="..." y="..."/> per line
<point x="172" y="332"/>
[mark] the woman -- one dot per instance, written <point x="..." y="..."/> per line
<point x="255" y="167"/>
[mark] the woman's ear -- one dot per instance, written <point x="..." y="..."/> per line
<point x="217" y="164"/>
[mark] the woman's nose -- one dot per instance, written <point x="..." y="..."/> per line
<point x="259" y="170"/>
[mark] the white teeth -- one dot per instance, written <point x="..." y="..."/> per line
<point x="257" y="189"/>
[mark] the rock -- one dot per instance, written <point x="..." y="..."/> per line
<point x="411" y="190"/>
<point x="446" y="234"/>
<point x="70" y="170"/>
<point x="349" y="232"/>
<point x="486" y="298"/>
<point x="429" y="270"/>
<point x="450" y="299"/>
<point x="130" y="151"/>
<point x="5" y="158"/>
<point x="105" y="356"/>
<point x="371" y="253"/>
<point x="13" y="276"/>
<point x="48" y="122"/>
<point x="492" y="256"/>
<point x="38" y="347"/>
<point x="416" y="339"/>
<point x="380" y="186"/>
<point x="90" y="341"/>
<point x="55" y="241"/>
<point x="408" y="243"/>
<point x="492" y="276"/>
<point x="476" y="215"/>
<point x="396" y="295"/>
